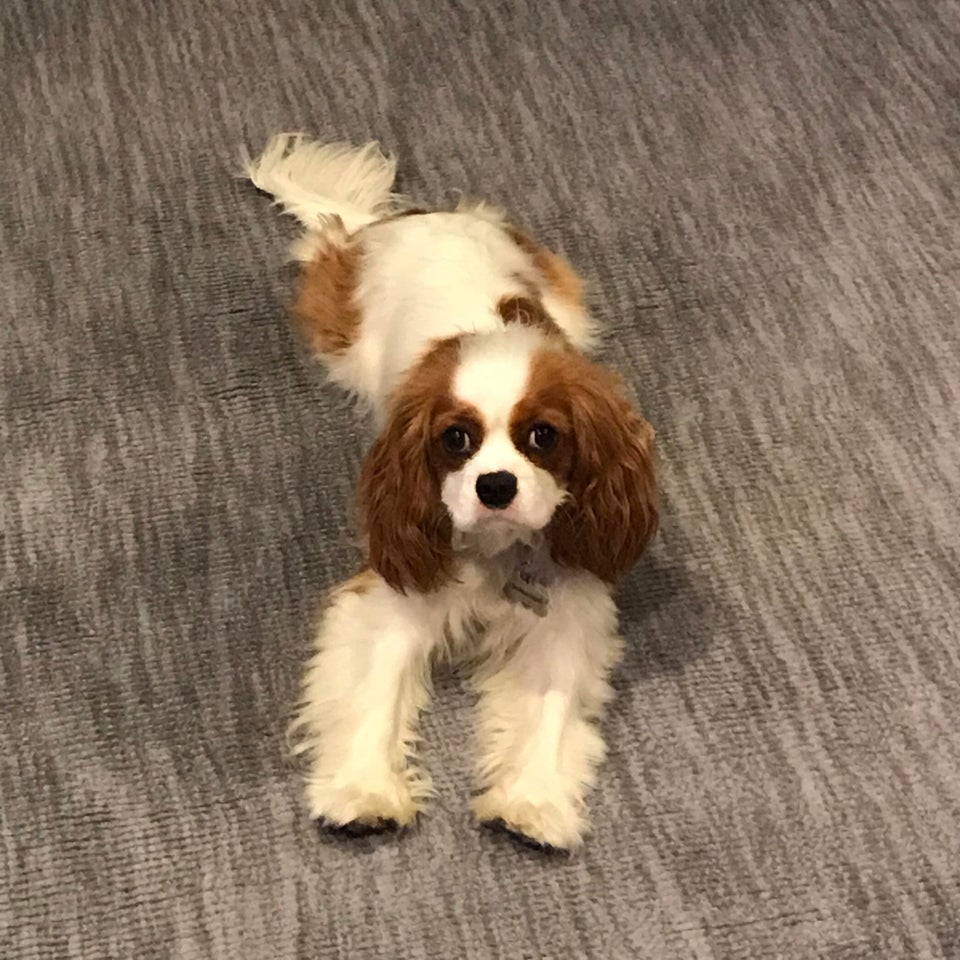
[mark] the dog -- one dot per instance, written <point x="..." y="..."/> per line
<point x="511" y="485"/>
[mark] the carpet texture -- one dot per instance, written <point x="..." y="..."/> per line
<point x="763" y="196"/>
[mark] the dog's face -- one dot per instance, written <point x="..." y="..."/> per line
<point x="498" y="434"/>
<point x="503" y="453"/>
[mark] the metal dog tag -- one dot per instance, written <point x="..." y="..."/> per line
<point x="532" y="574"/>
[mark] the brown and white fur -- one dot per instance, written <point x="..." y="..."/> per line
<point x="465" y="339"/>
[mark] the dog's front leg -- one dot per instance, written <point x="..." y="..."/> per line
<point x="362" y="693"/>
<point x="539" y="744"/>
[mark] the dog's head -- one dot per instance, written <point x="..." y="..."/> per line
<point x="494" y="435"/>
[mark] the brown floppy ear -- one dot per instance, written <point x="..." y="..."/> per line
<point x="611" y="513"/>
<point x="408" y="529"/>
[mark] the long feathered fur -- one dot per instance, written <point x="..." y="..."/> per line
<point x="317" y="182"/>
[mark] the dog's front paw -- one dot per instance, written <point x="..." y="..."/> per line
<point x="358" y="807"/>
<point x="554" y="823"/>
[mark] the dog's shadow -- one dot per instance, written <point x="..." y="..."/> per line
<point x="667" y="616"/>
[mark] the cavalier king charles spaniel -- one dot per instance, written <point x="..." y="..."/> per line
<point x="511" y="485"/>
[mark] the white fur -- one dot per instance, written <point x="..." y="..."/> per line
<point x="424" y="278"/>
<point x="542" y="683"/>
<point x="316" y="182"/>
<point x="494" y="370"/>
<point x="539" y="746"/>
<point x="362" y="693"/>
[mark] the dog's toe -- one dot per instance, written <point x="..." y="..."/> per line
<point x="524" y="840"/>
<point x="554" y="825"/>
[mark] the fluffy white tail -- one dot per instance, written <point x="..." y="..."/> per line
<point x="317" y="182"/>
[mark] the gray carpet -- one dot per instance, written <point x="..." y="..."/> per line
<point x="764" y="198"/>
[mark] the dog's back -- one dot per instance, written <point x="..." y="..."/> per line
<point x="381" y="282"/>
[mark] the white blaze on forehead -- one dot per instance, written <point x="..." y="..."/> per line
<point x="494" y="371"/>
<point x="493" y="376"/>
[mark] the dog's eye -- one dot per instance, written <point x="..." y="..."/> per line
<point x="456" y="440"/>
<point x="543" y="437"/>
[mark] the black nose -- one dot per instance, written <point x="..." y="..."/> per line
<point x="496" y="490"/>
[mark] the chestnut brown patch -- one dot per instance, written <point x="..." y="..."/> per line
<point x="360" y="583"/>
<point x="407" y="526"/>
<point x="527" y="311"/>
<point x="325" y="309"/>
<point x="555" y="272"/>
<point x="603" y="457"/>
<point x="545" y="403"/>
<point x="453" y="414"/>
